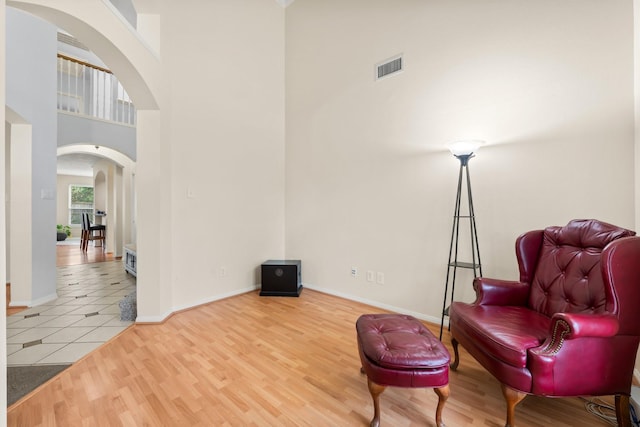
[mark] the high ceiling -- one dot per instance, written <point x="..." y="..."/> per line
<point x="77" y="164"/>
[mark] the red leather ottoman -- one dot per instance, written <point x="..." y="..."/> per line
<point x="398" y="350"/>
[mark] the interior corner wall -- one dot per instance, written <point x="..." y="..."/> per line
<point x="368" y="180"/>
<point x="636" y="75"/>
<point x="7" y="196"/>
<point x="31" y="93"/>
<point x="224" y="120"/>
<point x="153" y="222"/>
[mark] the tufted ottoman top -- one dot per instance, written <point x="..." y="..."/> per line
<point x="401" y="342"/>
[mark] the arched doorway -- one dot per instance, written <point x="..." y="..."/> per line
<point x="138" y="70"/>
<point x="113" y="180"/>
<point x="96" y="25"/>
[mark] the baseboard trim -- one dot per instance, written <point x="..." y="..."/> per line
<point x="145" y="320"/>
<point x="219" y="297"/>
<point x="34" y="303"/>
<point x="153" y="320"/>
<point x="421" y="316"/>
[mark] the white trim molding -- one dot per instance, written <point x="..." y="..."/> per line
<point x="34" y="303"/>
<point x="174" y="310"/>
<point x="421" y="316"/>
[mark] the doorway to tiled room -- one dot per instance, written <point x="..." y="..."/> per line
<point x="86" y="314"/>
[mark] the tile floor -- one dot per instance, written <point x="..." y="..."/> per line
<point x="85" y="315"/>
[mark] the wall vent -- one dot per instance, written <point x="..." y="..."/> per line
<point x="389" y="67"/>
<point x="70" y="40"/>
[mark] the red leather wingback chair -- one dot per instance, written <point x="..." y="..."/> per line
<point x="569" y="327"/>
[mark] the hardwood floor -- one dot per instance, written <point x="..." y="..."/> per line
<point x="72" y="255"/>
<point x="262" y="361"/>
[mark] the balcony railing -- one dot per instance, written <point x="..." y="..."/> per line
<point x="88" y="90"/>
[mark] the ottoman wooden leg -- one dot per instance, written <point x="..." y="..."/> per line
<point x="375" y="390"/>
<point x="443" y="395"/>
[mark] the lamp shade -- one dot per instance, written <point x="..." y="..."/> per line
<point x="464" y="147"/>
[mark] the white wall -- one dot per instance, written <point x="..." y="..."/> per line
<point x="636" y="54"/>
<point x="109" y="197"/>
<point x="31" y="93"/>
<point x="548" y="84"/>
<point x="223" y="129"/>
<point x="368" y="183"/>
<point x="3" y="224"/>
<point x="73" y="130"/>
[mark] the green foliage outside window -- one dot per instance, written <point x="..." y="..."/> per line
<point x="80" y="201"/>
<point x="81" y="195"/>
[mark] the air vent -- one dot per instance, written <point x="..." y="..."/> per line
<point x="389" y="67"/>
<point x="70" y="40"/>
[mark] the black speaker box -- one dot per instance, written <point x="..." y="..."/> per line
<point x="281" y="278"/>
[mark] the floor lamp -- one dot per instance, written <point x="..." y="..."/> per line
<point x="463" y="151"/>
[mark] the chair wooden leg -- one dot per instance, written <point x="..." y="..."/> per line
<point x="456" y="356"/>
<point x="512" y="397"/>
<point x="375" y="390"/>
<point x="622" y="410"/>
<point x="443" y="395"/>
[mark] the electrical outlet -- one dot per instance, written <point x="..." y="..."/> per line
<point x="222" y="272"/>
<point x="354" y="271"/>
<point x="371" y="276"/>
<point x="380" y="278"/>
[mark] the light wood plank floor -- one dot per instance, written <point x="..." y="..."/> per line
<point x="72" y="255"/>
<point x="262" y="361"/>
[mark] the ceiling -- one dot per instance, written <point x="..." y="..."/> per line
<point x="77" y="164"/>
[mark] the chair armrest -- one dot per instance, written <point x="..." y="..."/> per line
<point x="587" y="325"/>
<point x="581" y="350"/>
<point x="569" y="326"/>
<point x="500" y="292"/>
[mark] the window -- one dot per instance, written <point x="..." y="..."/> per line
<point x="80" y="201"/>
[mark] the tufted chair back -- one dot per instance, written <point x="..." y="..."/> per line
<point x="568" y="276"/>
